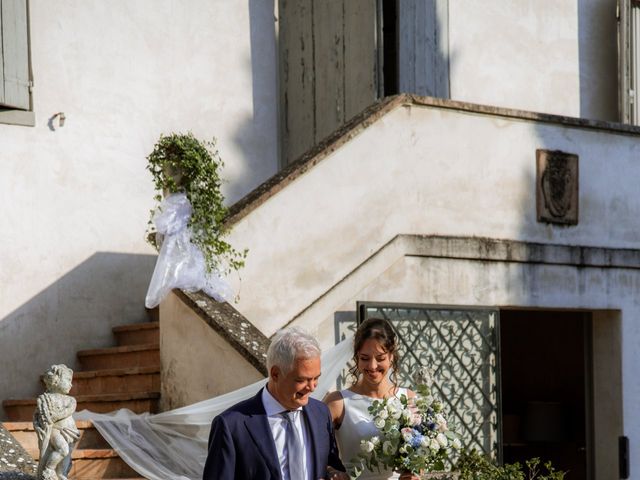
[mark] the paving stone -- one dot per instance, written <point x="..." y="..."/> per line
<point x="15" y="462"/>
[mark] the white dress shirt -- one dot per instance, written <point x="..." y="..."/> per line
<point x="278" y="429"/>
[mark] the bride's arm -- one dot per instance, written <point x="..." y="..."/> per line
<point x="336" y="406"/>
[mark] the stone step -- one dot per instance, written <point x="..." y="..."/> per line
<point x="116" y="380"/>
<point x="120" y="357"/>
<point x="137" y="333"/>
<point x="140" y="402"/>
<point x="153" y="314"/>
<point x="99" y="463"/>
<point x="24" y="433"/>
<point x="93" y="458"/>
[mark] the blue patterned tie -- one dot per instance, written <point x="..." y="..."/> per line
<point x="295" y="450"/>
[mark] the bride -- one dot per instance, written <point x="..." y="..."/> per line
<point x="375" y="348"/>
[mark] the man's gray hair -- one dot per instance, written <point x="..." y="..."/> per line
<point x="289" y="344"/>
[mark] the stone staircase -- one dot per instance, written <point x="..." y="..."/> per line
<point x="123" y="376"/>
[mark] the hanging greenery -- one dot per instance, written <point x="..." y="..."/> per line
<point x="183" y="163"/>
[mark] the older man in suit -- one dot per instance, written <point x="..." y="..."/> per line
<point x="281" y="433"/>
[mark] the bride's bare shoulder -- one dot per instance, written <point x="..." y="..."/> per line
<point x="332" y="397"/>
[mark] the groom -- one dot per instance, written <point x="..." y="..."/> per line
<point x="281" y="433"/>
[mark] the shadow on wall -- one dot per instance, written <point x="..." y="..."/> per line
<point x="76" y="312"/>
<point x="257" y="137"/>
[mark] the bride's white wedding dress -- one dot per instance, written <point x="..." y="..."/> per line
<point x="357" y="425"/>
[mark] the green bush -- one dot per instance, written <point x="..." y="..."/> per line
<point x="474" y="466"/>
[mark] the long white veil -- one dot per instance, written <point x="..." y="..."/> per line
<point x="173" y="444"/>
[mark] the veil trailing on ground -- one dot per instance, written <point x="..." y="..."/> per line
<point x="173" y="444"/>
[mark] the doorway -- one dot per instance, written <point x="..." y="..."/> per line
<point x="546" y="380"/>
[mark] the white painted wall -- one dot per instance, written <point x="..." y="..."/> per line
<point x="426" y="170"/>
<point x="318" y="245"/>
<point x="413" y="278"/>
<point x="74" y="201"/>
<point x="197" y="363"/>
<point x="552" y="56"/>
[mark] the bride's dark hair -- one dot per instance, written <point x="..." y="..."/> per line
<point x="382" y="331"/>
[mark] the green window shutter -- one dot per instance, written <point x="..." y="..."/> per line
<point x="14" y="55"/>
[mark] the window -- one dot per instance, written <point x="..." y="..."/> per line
<point x="15" y="79"/>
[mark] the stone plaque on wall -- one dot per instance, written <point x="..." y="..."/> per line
<point x="557" y="187"/>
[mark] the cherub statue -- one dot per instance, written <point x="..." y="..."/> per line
<point x="54" y="424"/>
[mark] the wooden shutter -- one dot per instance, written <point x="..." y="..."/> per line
<point x="629" y="60"/>
<point x="328" y="68"/>
<point x="14" y="56"/>
<point x="634" y="51"/>
<point x="423" y="47"/>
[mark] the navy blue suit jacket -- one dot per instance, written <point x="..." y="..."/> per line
<point x="241" y="446"/>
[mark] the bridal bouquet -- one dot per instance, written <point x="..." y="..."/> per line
<point x="413" y="433"/>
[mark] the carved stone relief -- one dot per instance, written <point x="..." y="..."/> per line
<point x="557" y="187"/>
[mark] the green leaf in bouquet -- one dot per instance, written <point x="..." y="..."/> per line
<point x="355" y="472"/>
<point x="438" y="465"/>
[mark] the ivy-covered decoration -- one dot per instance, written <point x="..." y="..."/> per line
<point x="182" y="163"/>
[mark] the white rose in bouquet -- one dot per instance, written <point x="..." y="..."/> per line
<point x="434" y="445"/>
<point x="387" y="448"/>
<point x="367" y="446"/>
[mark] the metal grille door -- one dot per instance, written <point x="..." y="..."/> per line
<point x="461" y="346"/>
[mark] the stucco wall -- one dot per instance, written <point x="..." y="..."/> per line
<point x="417" y="279"/>
<point x="318" y="245"/>
<point x="75" y="199"/>
<point x="426" y="170"/>
<point x="197" y="363"/>
<point x="553" y="56"/>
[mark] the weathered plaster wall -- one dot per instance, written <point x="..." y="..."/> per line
<point x="74" y="200"/>
<point x="441" y="281"/>
<point x="197" y="363"/>
<point x="318" y="245"/>
<point x="426" y="170"/>
<point x="553" y="56"/>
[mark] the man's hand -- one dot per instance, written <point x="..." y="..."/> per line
<point x="333" y="474"/>
<point x="408" y="476"/>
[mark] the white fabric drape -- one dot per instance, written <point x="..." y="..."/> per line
<point x="181" y="264"/>
<point x="173" y="445"/>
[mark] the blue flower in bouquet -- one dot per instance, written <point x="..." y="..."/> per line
<point x="413" y="433"/>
